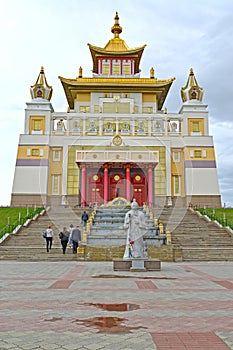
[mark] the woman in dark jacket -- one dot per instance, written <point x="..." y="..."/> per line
<point x="64" y="237"/>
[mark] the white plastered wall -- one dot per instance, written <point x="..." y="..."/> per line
<point x="201" y="181"/>
<point x="32" y="180"/>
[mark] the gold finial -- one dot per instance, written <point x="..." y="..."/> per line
<point x="42" y="69"/>
<point x="116" y="29"/>
<point x="191" y="71"/>
<point x="80" y="72"/>
<point x="165" y="110"/>
<point x="152" y="73"/>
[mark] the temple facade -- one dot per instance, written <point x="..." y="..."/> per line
<point x="116" y="138"/>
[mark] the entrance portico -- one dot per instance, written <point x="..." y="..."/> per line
<point x="110" y="173"/>
<point x="102" y="183"/>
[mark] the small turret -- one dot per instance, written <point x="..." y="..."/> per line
<point x="192" y="91"/>
<point x="41" y="89"/>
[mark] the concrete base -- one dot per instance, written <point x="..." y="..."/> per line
<point x="136" y="265"/>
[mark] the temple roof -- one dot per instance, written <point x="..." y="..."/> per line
<point x="116" y="47"/>
<point x="148" y="85"/>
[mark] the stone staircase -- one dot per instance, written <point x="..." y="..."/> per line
<point x="29" y="245"/>
<point x="199" y="239"/>
<point x="107" y="227"/>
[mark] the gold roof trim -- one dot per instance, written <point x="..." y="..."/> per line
<point x="131" y="81"/>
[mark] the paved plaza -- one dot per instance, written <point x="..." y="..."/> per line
<point x="88" y="306"/>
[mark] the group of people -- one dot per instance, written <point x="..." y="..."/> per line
<point x="72" y="235"/>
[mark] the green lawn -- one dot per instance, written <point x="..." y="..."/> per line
<point x="10" y="216"/>
<point x="223" y="216"/>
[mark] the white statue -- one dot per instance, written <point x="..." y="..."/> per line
<point x="61" y="125"/>
<point x="135" y="225"/>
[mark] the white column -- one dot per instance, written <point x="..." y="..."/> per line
<point x="168" y="168"/>
<point x="149" y="126"/>
<point x="100" y="126"/>
<point x="117" y="126"/>
<point x="132" y="126"/>
<point x="64" y="174"/>
<point x="84" y="126"/>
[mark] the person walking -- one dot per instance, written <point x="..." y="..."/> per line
<point x="49" y="238"/>
<point x="84" y="218"/>
<point x="64" y="237"/>
<point x="70" y="229"/>
<point x="76" y="238"/>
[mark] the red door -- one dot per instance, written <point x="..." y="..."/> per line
<point x="117" y="186"/>
<point x="95" y="189"/>
<point x="139" y="188"/>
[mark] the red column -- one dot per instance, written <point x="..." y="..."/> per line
<point x="128" y="197"/>
<point x="83" y="189"/>
<point x="105" y="183"/>
<point x="150" y="186"/>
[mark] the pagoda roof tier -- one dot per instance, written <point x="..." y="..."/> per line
<point x="117" y="48"/>
<point x="143" y="85"/>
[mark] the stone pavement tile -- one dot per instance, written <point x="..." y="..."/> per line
<point x="75" y="341"/>
<point x="227" y="337"/>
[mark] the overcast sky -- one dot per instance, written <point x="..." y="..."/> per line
<point x="178" y="34"/>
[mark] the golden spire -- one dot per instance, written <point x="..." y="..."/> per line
<point x="41" y="89"/>
<point x="192" y="91"/>
<point x="116" y="29"/>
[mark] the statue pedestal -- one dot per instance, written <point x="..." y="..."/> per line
<point x="142" y="265"/>
<point x="138" y="264"/>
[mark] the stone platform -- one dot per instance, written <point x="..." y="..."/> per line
<point x="136" y="265"/>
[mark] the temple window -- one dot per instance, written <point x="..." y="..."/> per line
<point x="195" y="126"/>
<point x="56" y="155"/>
<point x="197" y="153"/>
<point x="84" y="109"/>
<point x="126" y="69"/>
<point x="176" y="157"/>
<point x="37" y="125"/>
<point x="176" y="184"/>
<point x="147" y="110"/>
<point x="116" y="68"/>
<point x="35" y="152"/>
<point x="106" y="68"/>
<point x="55" y="184"/>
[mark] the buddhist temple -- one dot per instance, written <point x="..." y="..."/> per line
<point x="117" y="138"/>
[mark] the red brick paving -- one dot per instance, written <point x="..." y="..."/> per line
<point x="226" y="284"/>
<point x="62" y="284"/>
<point x="188" y="341"/>
<point x="145" y="285"/>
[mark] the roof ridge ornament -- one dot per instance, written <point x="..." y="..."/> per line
<point x="116" y="28"/>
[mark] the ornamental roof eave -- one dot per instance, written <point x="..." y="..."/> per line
<point x="99" y="51"/>
<point x="159" y="87"/>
